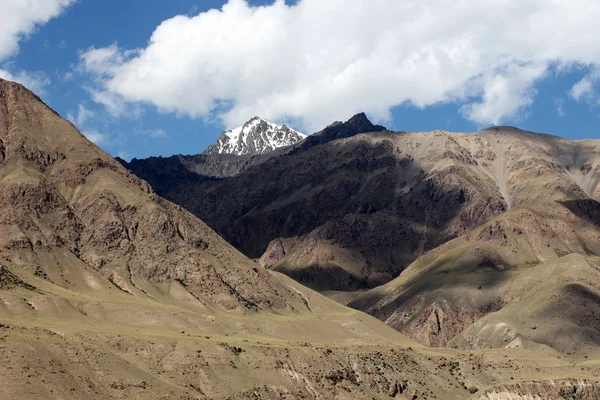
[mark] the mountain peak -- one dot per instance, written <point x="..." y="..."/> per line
<point x="17" y="92"/>
<point x="257" y="118"/>
<point x="256" y="136"/>
<point x="360" y="118"/>
<point x="359" y="123"/>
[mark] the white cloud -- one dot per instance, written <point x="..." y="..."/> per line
<point x="19" y="18"/>
<point x="105" y="60"/>
<point x="505" y="94"/>
<point x="584" y="88"/>
<point x="323" y="60"/>
<point x="559" y="105"/>
<point x="114" y="103"/>
<point x="34" y="81"/>
<point x="96" y="137"/>
<point x="81" y="117"/>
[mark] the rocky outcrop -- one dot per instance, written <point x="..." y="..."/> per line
<point x="339" y="130"/>
<point x="560" y="389"/>
<point x="277" y="250"/>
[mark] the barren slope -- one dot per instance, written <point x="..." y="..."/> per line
<point x="354" y="212"/>
<point x="529" y="278"/>
<point x="65" y="203"/>
<point x="103" y="343"/>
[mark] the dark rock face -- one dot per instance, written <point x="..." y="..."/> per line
<point x="324" y="277"/>
<point x="326" y="190"/>
<point x="163" y="172"/>
<point x="339" y="130"/>
<point x="349" y="193"/>
<point x="255" y="142"/>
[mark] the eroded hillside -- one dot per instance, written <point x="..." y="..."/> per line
<point x="353" y="213"/>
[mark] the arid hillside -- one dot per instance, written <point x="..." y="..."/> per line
<point x="65" y="203"/>
<point x="529" y="278"/>
<point x="352" y="213"/>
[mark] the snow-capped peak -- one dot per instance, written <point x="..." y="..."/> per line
<point x="256" y="136"/>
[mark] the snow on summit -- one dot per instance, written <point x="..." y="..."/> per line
<point x="256" y="136"/>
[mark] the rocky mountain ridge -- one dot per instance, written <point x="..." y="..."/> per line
<point x="235" y="151"/>
<point x="456" y="227"/>
<point x="483" y="290"/>
<point x="371" y="203"/>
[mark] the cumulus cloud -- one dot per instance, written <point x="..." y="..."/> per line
<point x="114" y="103"/>
<point x="105" y="60"/>
<point x="19" y="18"/>
<point x="322" y="60"/>
<point x="505" y="94"/>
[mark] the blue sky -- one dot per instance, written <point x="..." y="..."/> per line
<point x="306" y="63"/>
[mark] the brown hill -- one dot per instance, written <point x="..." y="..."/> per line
<point x="529" y="278"/>
<point x="65" y="203"/>
<point x="354" y="212"/>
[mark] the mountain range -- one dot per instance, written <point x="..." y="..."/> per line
<point x="477" y="256"/>
<point x="451" y="224"/>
